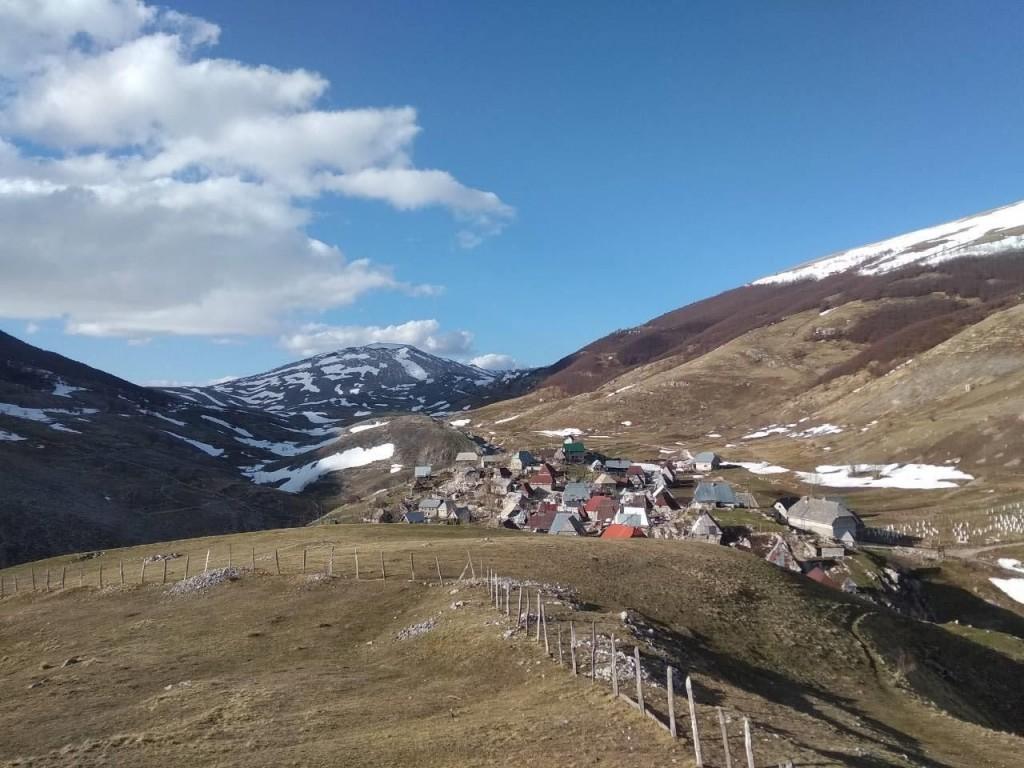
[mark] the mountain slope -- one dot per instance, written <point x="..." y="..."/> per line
<point x="360" y="381"/>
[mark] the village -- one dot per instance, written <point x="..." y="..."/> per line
<point x="574" y="491"/>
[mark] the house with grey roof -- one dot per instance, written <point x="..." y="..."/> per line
<point x="617" y="465"/>
<point x="829" y="518"/>
<point x="433" y="508"/>
<point x="576" y="493"/>
<point x="711" y="494"/>
<point x="566" y="524"/>
<point x="467" y="457"/>
<point x="707" y="461"/>
<point x="706" y="528"/>
<point x="521" y="461"/>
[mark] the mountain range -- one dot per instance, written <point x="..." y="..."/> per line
<point x="904" y="350"/>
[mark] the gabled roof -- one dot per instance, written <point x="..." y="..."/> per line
<point x="431" y="503"/>
<point x="707" y="457"/>
<point x="525" y="457"/>
<point x="617" y="464"/>
<point x="664" y="498"/>
<point x="602" y="506"/>
<point x="574" y="447"/>
<point x="541" y="521"/>
<point x="714" y="493"/>
<point x="566" y="522"/>
<point x="466" y="456"/>
<point x="825" y="511"/>
<point x="605" y="479"/>
<point x="618" y="531"/>
<point x="634" y="521"/>
<point x="705" y="525"/>
<point x="414" y="516"/>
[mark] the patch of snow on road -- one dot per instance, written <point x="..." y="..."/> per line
<point x="204" y="447"/>
<point x="508" y="419"/>
<point x="712" y="434"/>
<point x="620" y="389"/>
<point x="364" y="427"/>
<point x="1014" y="588"/>
<point x="821" y="429"/>
<point x="297" y="478"/>
<point x="459" y="422"/>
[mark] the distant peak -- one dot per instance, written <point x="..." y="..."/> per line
<point x="385" y="345"/>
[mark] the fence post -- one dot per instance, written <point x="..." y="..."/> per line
<point x="519" y="609"/>
<point x="101" y="579"/>
<point x="252" y="558"/>
<point x="33" y="579"/>
<point x="670" y="689"/>
<point x="615" y="670"/>
<point x="593" y="651"/>
<point x="572" y="647"/>
<point x="142" y="575"/>
<point x="355" y="552"/>
<point x="537" y="638"/>
<point x="383" y="568"/>
<point x="304" y="553"/>
<point x="163" y="578"/>
<point x="561" y="660"/>
<point x="472" y="570"/>
<point x="229" y="555"/>
<point x="748" y="742"/>
<point x="188" y="557"/>
<point x="725" y="737"/>
<point x="47" y="579"/>
<point x="120" y="568"/>
<point x="412" y="565"/>
<point x="63" y="573"/>
<point x="277" y="562"/>
<point x="437" y="565"/>
<point x="1" y="586"/>
<point x="693" y="723"/>
<point x="508" y="600"/>
<point x="639" y="679"/>
<point x="206" y="568"/>
<point x="544" y="621"/>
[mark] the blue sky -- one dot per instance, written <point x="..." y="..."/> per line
<point x="652" y="156"/>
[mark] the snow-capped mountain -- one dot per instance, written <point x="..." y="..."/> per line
<point x="359" y="381"/>
<point x="984" y="234"/>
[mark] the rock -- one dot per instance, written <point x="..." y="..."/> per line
<point x="70" y="660"/>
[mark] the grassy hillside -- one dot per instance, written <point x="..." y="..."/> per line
<point x="302" y="669"/>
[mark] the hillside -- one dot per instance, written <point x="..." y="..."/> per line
<point x="305" y="668"/>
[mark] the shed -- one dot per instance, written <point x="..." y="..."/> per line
<point x="423" y="471"/>
<point x="706" y="528"/>
<point x="707" y="461"/>
<point x="617" y="466"/>
<point x="468" y="457"/>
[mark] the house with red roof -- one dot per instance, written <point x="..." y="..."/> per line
<point x="619" y="531"/>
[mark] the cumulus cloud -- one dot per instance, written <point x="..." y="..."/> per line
<point x="495" y="362"/>
<point x="148" y="188"/>
<point x="423" y="334"/>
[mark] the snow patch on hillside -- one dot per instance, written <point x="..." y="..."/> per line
<point x="984" y="234"/>
<point x="566" y="432"/>
<point x="1014" y="588"/>
<point x="364" y="427"/>
<point x="9" y="437"/>
<point x="760" y="467"/>
<point x="206" y="448"/>
<point x="904" y="476"/>
<point x="298" y="478"/>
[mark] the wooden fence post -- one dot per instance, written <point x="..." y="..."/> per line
<point x="561" y="660"/>
<point x="593" y="651"/>
<point x="472" y="570"/>
<point x="47" y="580"/>
<point x="412" y="565"/>
<point x="544" y="621"/>
<point x="508" y="599"/>
<point x="537" y="638"/>
<point x="120" y="568"/>
<point x="188" y="557"/>
<point x="304" y="553"/>
<point x="163" y="578"/>
<point x="142" y="575"/>
<point x="383" y="568"/>
<point x="355" y="552"/>
<point x="437" y="565"/>
<point x="572" y="647"/>
<point x="693" y="723"/>
<point x="229" y="555"/>
<point x="252" y="558"/>
<point x="639" y="679"/>
<point x="748" y="742"/>
<point x="206" y="568"/>
<point x="33" y="579"/>
<point x="63" y="573"/>
<point x="277" y="562"/>
<point x="1" y="586"/>
<point x="101" y="579"/>
<point x="725" y="737"/>
<point x="519" y="609"/>
<point x="615" y="670"/>
<point x="670" y="689"/>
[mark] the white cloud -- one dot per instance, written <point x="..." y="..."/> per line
<point x="423" y="334"/>
<point x="495" y="362"/>
<point x="32" y="328"/>
<point x="180" y="182"/>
